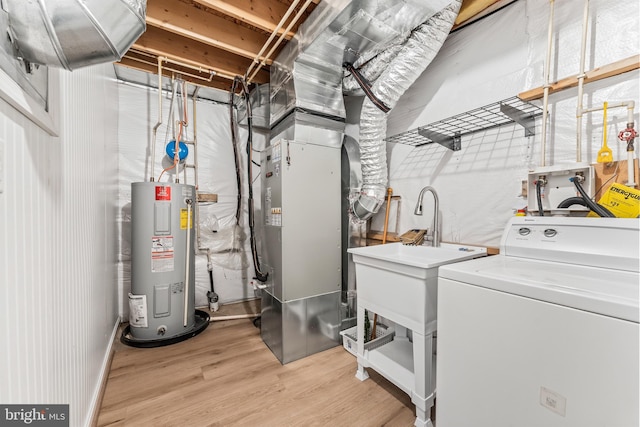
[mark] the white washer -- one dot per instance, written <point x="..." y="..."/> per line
<point x="545" y="334"/>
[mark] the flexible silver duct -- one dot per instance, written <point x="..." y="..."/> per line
<point x="371" y="68"/>
<point x="307" y="73"/>
<point x="74" y="33"/>
<point x="396" y="77"/>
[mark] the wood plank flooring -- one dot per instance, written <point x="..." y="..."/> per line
<point x="226" y="376"/>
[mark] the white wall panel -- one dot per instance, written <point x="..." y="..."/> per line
<point x="58" y="288"/>
<point x="490" y="60"/>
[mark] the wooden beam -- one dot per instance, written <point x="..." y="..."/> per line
<point x="173" y="46"/>
<point x="610" y="70"/>
<point x="608" y="173"/>
<point x="471" y="8"/>
<point x="261" y="14"/>
<point x="143" y="65"/>
<point x="200" y="25"/>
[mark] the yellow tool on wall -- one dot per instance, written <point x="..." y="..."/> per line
<point x="605" y="154"/>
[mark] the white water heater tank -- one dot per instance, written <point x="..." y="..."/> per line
<point x="162" y="261"/>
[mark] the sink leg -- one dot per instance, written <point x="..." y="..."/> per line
<point x="422" y="420"/>
<point x="361" y="372"/>
<point x="423" y="393"/>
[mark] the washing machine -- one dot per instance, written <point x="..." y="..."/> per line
<point x="545" y="334"/>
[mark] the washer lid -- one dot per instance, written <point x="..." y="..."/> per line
<point x="613" y="293"/>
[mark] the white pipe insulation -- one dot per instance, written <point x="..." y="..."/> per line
<point x="545" y="102"/>
<point x="395" y="77"/>
<point x="581" y="76"/>
<point x="185" y="319"/>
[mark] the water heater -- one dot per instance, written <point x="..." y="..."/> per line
<point x="161" y="302"/>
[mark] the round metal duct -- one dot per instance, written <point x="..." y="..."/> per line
<point x="74" y="33"/>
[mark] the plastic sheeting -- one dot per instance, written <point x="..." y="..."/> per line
<point x="494" y="59"/>
<point x="229" y="245"/>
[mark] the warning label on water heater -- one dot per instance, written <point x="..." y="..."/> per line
<point x="162" y="254"/>
<point x="186" y="217"/>
<point x="138" y="311"/>
<point x="163" y="193"/>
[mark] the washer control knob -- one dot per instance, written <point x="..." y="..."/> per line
<point x="524" y="231"/>
<point x="550" y="232"/>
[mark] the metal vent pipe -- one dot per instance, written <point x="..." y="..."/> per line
<point x="392" y="77"/>
<point x="74" y="33"/>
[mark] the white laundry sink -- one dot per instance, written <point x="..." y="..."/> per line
<point x="399" y="282"/>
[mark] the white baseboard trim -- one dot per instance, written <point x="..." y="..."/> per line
<point x="98" y="392"/>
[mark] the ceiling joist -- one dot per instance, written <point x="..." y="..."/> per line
<point x="147" y="64"/>
<point x="179" y="48"/>
<point x="260" y="14"/>
<point x="226" y="36"/>
<point x="193" y="23"/>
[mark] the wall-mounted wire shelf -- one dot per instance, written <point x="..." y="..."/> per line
<point x="448" y="132"/>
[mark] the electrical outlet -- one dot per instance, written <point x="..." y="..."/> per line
<point x="553" y="401"/>
<point x="524" y="188"/>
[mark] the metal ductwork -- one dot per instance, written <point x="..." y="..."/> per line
<point x="390" y="42"/>
<point x="308" y="73"/>
<point x="74" y="33"/>
<point x="392" y="76"/>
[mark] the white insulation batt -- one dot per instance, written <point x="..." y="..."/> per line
<point x="491" y="60"/>
<point x="230" y="250"/>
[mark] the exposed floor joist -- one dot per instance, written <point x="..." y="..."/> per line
<point x="162" y="43"/>
<point x="143" y="62"/>
<point x="225" y="36"/>
<point x="264" y="15"/>
<point x="195" y="24"/>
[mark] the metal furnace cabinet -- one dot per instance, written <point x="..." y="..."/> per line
<point x="302" y="246"/>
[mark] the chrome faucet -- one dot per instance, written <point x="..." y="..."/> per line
<point x="435" y="233"/>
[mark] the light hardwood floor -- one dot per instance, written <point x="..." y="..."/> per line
<point x="226" y="376"/>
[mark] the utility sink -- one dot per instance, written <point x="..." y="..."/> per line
<point x="419" y="256"/>
<point x="399" y="282"/>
